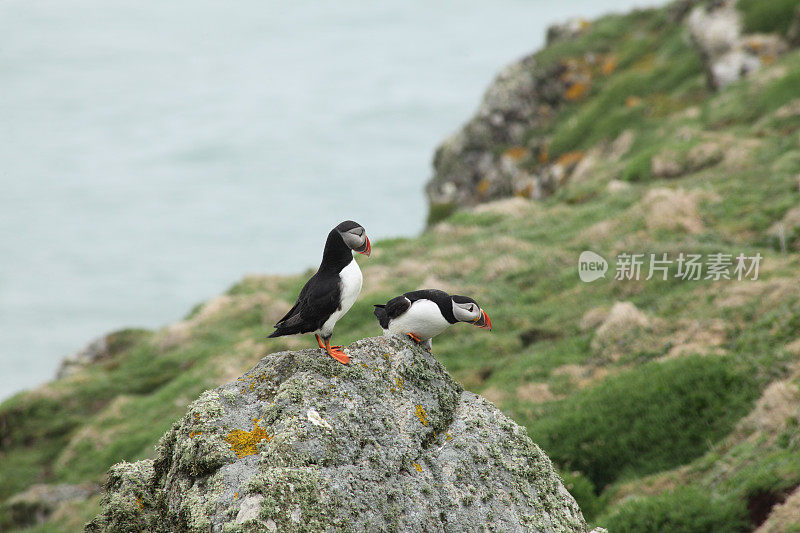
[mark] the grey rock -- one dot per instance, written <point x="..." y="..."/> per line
<point x="728" y="55"/>
<point x="667" y="164"/>
<point x="521" y="101"/>
<point x="672" y="164"/>
<point x="566" y="31"/>
<point x="301" y="443"/>
<point x="793" y="35"/>
<point x="99" y="349"/>
<point x="677" y="10"/>
<point x="38" y="502"/>
<point x="94" y="351"/>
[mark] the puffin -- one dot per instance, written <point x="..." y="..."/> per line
<point x="423" y="314"/>
<point x="330" y="293"/>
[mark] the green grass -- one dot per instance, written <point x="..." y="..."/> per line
<point x="768" y="16"/>
<point x="744" y="102"/>
<point x="688" y="510"/>
<point x="651" y="418"/>
<point x="605" y="115"/>
<point x="637" y="419"/>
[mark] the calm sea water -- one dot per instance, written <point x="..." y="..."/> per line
<point x="152" y="153"/>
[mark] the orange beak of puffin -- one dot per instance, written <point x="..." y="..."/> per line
<point x="366" y="249"/>
<point x="484" y="321"/>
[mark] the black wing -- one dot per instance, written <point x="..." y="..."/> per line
<point x="434" y="295"/>
<point x="317" y="301"/>
<point x="400" y="304"/>
<point x="397" y="306"/>
<point x="393" y="309"/>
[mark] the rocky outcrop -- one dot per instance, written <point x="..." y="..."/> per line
<point x="301" y="443"/>
<point x="101" y="348"/>
<point x="566" y="31"/>
<point x="728" y="55"/>
<point x="39" y="502"/>
<point x="793" y="35"/>
<point x="467" y="169"/>
<point x="503" y="150"/>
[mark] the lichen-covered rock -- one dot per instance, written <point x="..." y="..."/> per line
<point x="103" y="347"/>
<point x="793" y="35"/>
<point x="673" y="164"/>
<point x="504" y="149"/>
<point x="514" y="114"/>
<point x="728" y="55"/>
<point x="302" y="443"/>
<point x="566" y="31"/>
<point x="39" y="502"/>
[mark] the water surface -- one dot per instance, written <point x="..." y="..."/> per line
<point x="152" y="153"/>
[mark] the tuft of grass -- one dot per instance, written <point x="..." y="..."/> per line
<point x="767" y="16"/>
<point x="648" y="419"/>
<point x="685" y="510"/>
<point x="439" y="212"/>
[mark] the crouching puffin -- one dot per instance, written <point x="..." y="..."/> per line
<point x="330" y="293"/>
<point x="424" y="314"/>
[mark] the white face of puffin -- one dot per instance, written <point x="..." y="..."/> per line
<point x="356" y="239"/>
<point x="466" y="310"/>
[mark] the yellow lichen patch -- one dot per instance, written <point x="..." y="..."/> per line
<point x="245" y="443"/>
<point x="544" y="156"/>
<point x="193" y="434"/>
<point x="608" y="66"/>
<point x="570" y="159"/>
<point x="448" y="436"/>
<point x="399" y="382"/>
<point x="482" y="187"/>
<point x="417" y="467"/>
<point x="236" y="495"/>
<point x="516" y="153"/>
<point x="139" y="503"/>
<point x="422" y="415"/>
<point x="754" y="45"/>
<point x="577" y="91"/>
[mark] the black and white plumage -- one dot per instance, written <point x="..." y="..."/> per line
<point x="425" y="313"/>
<point x="330" y="293"/>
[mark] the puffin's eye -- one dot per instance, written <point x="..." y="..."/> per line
<point x="471" y="308"/>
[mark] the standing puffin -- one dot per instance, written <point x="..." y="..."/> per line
<point x="330" y="293"/>
<point x="424" y="314"/>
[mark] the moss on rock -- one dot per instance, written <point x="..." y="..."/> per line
<point x="301" y="443"/>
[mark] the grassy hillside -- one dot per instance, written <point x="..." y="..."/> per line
<point x="669" y="405"/>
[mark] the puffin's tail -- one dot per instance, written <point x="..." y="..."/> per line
<point x="290" y="324"/>
<point x="380" y="314"/>
<point x="281" y="330"/>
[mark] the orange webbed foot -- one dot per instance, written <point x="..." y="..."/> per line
<point x="336" y="352"/>
<point x="414" y="338"/>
